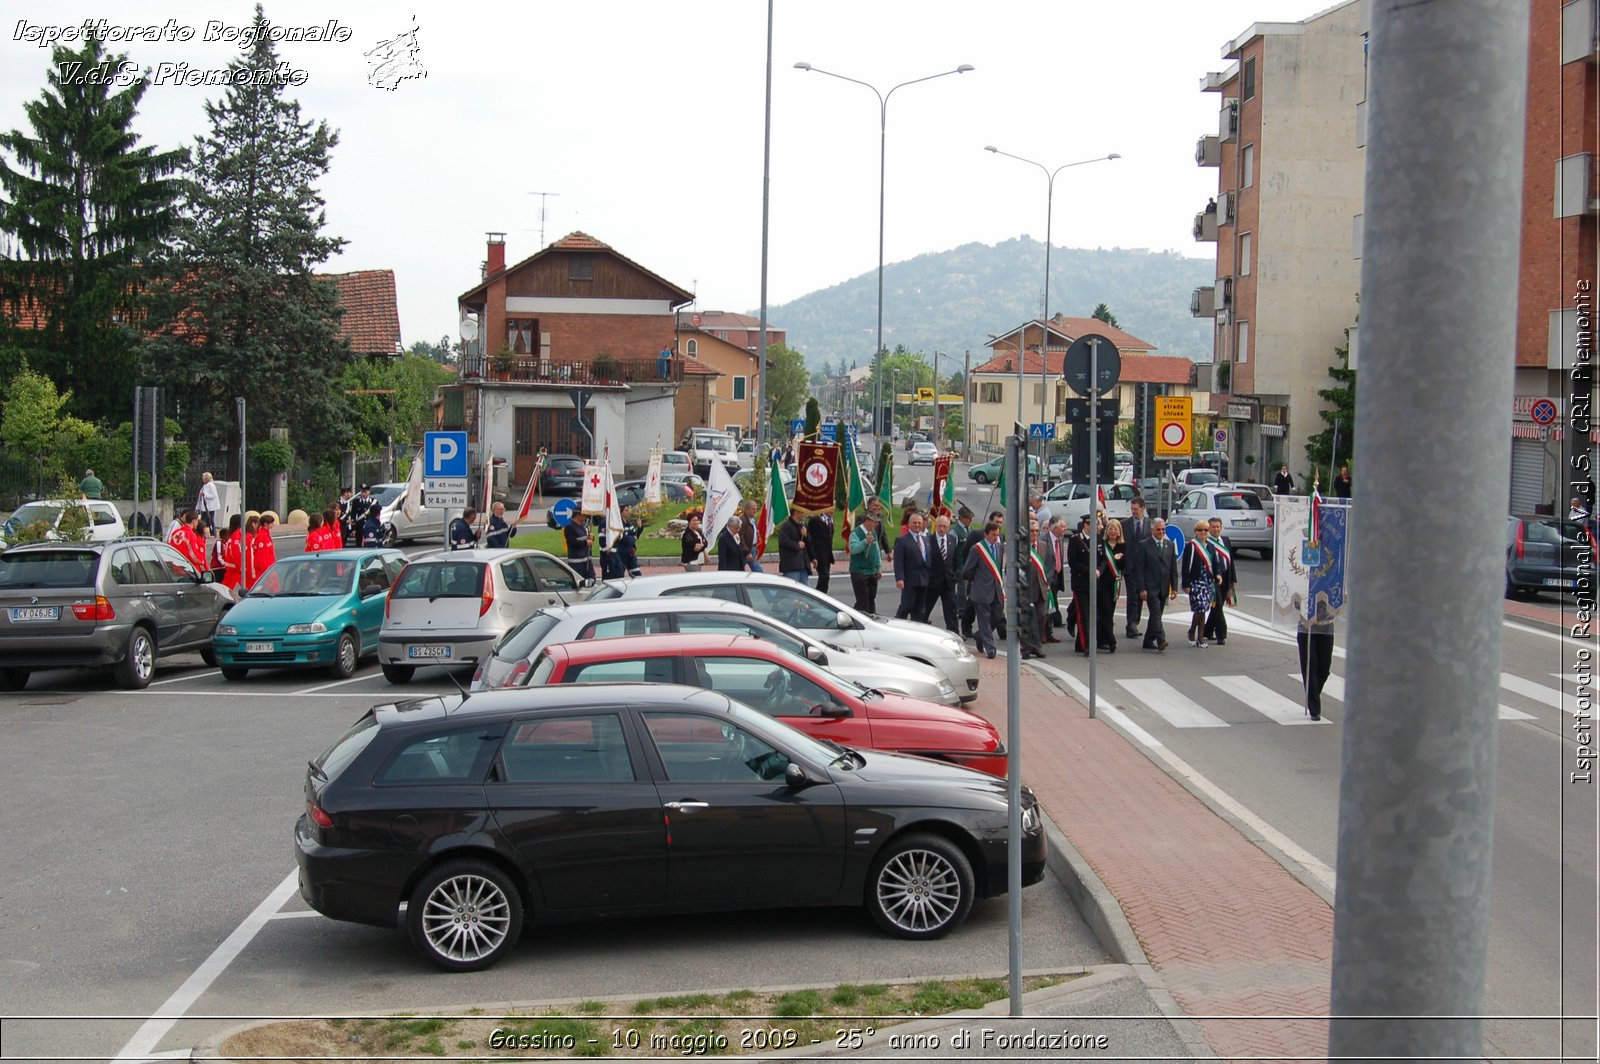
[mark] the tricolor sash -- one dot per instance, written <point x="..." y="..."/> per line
<point x="988" y="558"/>
<point x="1044" y="580"/>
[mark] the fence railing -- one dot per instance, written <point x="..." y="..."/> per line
<point x="526" y="369"/>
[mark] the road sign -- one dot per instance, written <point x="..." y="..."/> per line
<point x="1174" y="426"/>
<point x="1543" y="412"/>
<point x="1220" y="437"/>
<point x="1078" y="410"/>
<point x="446" y="491"/>
<point x="830" y="433"/>
<point x="444" y="455"/>
<point x="580" y="398"/>
<point x="1042" y="430"/>
<point x="1108" y="365"/>
<point x="797" y="426"/>
<point x="562" y="511"/>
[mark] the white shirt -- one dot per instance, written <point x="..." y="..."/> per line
<point x="207" y="499"/>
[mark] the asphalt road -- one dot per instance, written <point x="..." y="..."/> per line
<point x="147" y="828"/>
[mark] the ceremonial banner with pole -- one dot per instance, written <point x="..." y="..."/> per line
<point x="942" y="498"/>
<point x="593" y="500"/>
<point x="818" y="465"/>
<point x="533" y="484"/>
<point x="652" y="479"/>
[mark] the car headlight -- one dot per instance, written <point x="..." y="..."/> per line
<point x="946" y="687"/>
<point x="1030" y="819"/>
<point x="951" y="646"/>
<point x="314" y="628"/>
<point x="226" y="629"/>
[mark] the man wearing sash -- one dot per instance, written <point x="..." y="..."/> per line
<point x="1032" y="612"/>
<point x="987" y="594"/>
<point x="1227" y="580"/>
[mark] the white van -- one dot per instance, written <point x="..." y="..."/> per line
<point x="705" y="446"/>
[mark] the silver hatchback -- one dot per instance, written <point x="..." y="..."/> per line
<point x="1245" y="521"/>
<point x="452" y="608"/>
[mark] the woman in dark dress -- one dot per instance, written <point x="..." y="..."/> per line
<point x="1200" y="580"/>
<point x="1108" y="585"/>
<point x="694" y="546"/>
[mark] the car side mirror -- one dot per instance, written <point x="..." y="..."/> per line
<point x="816" y="655"/>
<point x="831" y="712"/>
<point x="795" y="776"/>
<point x="843" y="621"/>
<point x="587" y="581"/>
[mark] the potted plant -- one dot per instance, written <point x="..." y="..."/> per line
<point x="503" y="362"/>
<point x="605" y="367"/>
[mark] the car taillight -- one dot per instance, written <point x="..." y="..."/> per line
<point x="1521" y="525"/>
<point x="477" y="674"/>
<point x="488" y="590"/>
<point x="318" y="816"/>
<point x="98" y="610"/>
<point x="519" y="675"/>
<point x="1269" y="520"/>
<point x="389" y="598"/>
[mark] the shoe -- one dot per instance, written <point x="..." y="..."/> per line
<point x="989" y="653"/>
<point x="1161" y="645"/>
<point x="1132" y="633"/>
<point x="1316" y="716"/>
<point x="1149" y="646"/>
<point x="1222" y="642"/>
<point x="1085" y="653"/>
<point x="1202" y="644"/>
<point x="1051" y="639"/>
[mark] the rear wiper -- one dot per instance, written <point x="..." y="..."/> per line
<point x="317" y="771"/>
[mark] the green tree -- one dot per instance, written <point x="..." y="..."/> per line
<point x="787" y="385"/>
<point x="1103" y="313"/>
<point x="240" y="312"/>
<point x="35" y="424"/>
<point x="1128" y="437"/>
<point x="1340" y="414"/>
<point x="412" y="378"/>
<point x="954" y="427"/>
<point x="84" y="205"/>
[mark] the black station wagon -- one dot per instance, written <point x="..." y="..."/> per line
<point x="464" y="818"/>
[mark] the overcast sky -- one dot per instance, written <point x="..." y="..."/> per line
<point x="645" y="120"/>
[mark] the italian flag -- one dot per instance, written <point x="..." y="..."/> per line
<point x="776" y="510"/>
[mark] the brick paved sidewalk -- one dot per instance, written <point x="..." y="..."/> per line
<point x="1228" y="930"/>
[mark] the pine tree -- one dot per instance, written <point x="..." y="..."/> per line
<point x="1103" y="313"/>
<point x="1340" y="413"/>
<point x="241" y="313"/>
<point x="83" y="206"/>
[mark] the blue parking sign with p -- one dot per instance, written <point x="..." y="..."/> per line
<point x="444" y="454"/>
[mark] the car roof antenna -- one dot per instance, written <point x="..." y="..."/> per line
<point x="465" y="694"/>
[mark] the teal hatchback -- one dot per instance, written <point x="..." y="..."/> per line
<point x="321" y="610"/>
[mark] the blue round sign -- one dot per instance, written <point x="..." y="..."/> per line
<point x="1543" y="412"/>
<point x="562" y="511"/>
<point x="1175" y="534"/>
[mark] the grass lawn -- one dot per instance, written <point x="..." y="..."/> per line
<point x="651" y="544"/>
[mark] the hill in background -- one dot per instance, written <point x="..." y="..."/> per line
<point x="953" y="301"/>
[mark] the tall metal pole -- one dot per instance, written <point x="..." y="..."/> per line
<point x="1089" y="638"/>
<point x="1015" y="462"/>
<point x="766" y="182"/>
<point x="883" y="171"/>
<point x="966" y="405"/>
<point x="1416" y="796"/>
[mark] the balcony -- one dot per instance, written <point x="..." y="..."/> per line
<point x="528" y="369"/>
<point x="1228" y="119"/>
<point x="1205" y="226"/>
<point x="1208" y="151"/>
<point x="1202" y="303"/>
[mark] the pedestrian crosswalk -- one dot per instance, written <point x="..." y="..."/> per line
<point x="1178" y="703"/>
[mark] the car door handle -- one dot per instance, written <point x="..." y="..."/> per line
<point x="689" y="806"/>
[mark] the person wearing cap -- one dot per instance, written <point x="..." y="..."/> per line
<point x="866" y="562"/>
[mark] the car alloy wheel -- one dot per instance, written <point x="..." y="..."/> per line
<point x="391" y="538"/>
<point x="981" y="478"/>
<point x="921" y="887"/>
<point x="345" y="656"/>
<point x="139" y="663"/>
<point x="464" y="916"/>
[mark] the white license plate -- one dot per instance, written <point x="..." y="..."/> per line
<point x="36" y="613"/>
<point x="259" y="648"/>
<point x="1549" y="581"/>
<point x="428" y="652"/>
<point x="1248" y="522"/>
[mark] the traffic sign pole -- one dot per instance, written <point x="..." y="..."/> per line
<point x="1089" y="638"/>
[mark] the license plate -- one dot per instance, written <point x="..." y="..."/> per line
<point x="428" y="652"/>
<point x="1549" y="581"/>
<point x="259" y="648"/>
<point x="1248" y="522"/>
<point x="36" y="613"/>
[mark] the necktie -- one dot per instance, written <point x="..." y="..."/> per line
<point x="922" y="547"/>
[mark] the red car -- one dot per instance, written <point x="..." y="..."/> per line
<point x="785" y="687"/>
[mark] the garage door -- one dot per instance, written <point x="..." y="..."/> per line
<point x="1527" y="475"/>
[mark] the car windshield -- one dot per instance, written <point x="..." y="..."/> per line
<point x="521" y="640"/>
<point x="388" y="493"/>
<point x="305" y="576"/>
<point x="38" y="511"/>
<point x="48" y="568"/>
<point x="441" y="580"/>
<point x="1202" y="476"/>
<point x="713" y="442"/>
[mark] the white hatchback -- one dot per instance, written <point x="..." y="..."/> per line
<point x="105" y="522"/>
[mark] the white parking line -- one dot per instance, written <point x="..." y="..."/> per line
<point x="178" y="679"/>
<point x="141" y="1045"/>
<point x="336" y="683"/>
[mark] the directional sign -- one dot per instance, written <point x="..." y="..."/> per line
<point x="580" y="398"/>
<point x="561" y="513"/>
<point x="444" y="454"/>
<point x="830" y="433"/>
<point x="1078" y="410"/>
<point x="1174" y="426"/>
<point x="1107" y="365"/>
<point x="1042" y="430"/>
<point x="1543" y="412"/>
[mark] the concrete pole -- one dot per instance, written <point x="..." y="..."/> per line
<point x="1438" y="322"/>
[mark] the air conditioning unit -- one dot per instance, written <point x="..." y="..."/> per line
<point x="1226" y="201"/>
<point x="1228" y="124"/>
<point x="1208" y="151"/>
<point x="1224" y="292"/>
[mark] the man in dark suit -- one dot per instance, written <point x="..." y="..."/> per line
<point x="1078" y="573"/>
<point x="1153" y="578"/>
<point x="1052" y="549"/>
<point x="1227" y="580"/>
<point x="819" y="540"/>
<point x="1135" y="530"/>
<point x="794" y="557"/>
<point x="731" y="555"/>
<point x="945" y="576"/>
<point x="982" y="571"/>
<point x="913" y="569"/>
<point x="966" y="538"/>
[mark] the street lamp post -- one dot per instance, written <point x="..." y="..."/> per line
<point x="883" y="146"/>
<point x="1044" y="342"/>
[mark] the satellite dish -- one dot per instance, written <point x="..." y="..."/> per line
<point x="469" y="329"/>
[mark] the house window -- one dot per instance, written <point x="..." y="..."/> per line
<point x="988" y="393"/>
<point x="580" y="267"/>
<point x="1038" y="395"/>
<point x="1246" y="244"/>
<point x="522" y="335"/>
<point x="1249" y="79"/>
<point x="1248" y="164"/>
<point x="739" y="389"/>
<point x="692" y="348"/>
<point x="1244" y="342"/>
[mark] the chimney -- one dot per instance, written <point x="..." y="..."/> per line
<point x="497" y="254"/>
